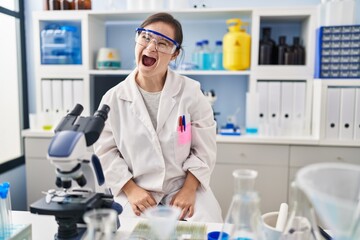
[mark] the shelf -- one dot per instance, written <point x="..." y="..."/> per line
<point x="182" y="72"/>
<point x="188" y="14"/>
<point x="286" y="140"/>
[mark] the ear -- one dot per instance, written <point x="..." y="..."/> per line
<point x="175" y="54"/>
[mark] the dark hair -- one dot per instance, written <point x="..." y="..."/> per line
<point x="168" y="19"/>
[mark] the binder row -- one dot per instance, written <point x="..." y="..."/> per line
<point x="59" y="96"/>
<point x="282" y="108"/>
<point x="343" y="113"/>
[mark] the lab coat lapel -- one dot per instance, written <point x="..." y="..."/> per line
<point x="140" y="111"/>
<point x="167" y="101"/>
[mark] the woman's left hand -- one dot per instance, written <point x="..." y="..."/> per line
<point x="185" y="197"/>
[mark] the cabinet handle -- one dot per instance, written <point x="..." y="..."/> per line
<point x="340" y="159"/>
<point x="242" y="155"/>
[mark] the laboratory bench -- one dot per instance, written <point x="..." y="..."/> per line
<point x="276" y="159"/>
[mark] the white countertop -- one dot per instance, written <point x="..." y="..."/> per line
<point x="45" y="227"/>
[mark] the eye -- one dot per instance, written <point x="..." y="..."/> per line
<point x="163" y="43"/>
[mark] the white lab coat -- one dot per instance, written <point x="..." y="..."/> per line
<point x="157" y="159"/>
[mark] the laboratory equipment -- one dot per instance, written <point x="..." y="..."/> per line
<point x="195" y="56"/>
<point x="101" y="224"/>
<point x="205" y="56"/>
<point x="68" y="152"/>
<point x="163" y="220"/>
<point x="243" y="220"/>
<point x="61" y="44"/>
<point x="334" y="190"/>
<point x="252" y="113"/>
<point x="108" y="58"/>
<point x="301" y="224"/>
<point x="217" y="57"/>
<point x="5" y="210"/>
<point x="236" y="46"/>
<point x="231" y="127"/>
<point x="267" y="49"/>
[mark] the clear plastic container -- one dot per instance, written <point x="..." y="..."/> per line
<point x="61" y="44"/>
<point x="205" y="56"/>
<point x="334" y="191"/>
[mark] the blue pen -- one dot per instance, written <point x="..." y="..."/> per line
<point x="184" y="122"/>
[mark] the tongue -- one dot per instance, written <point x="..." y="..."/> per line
<point x="148" y="61"/>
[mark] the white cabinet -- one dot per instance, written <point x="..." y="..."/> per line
<point x="40" y="174"/>
<point x="271" y="162"/>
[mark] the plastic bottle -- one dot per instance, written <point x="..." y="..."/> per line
<point x="195" y="57"/>
<point x="243" y="220"/>
<point x="267" y="48"/>
<point x="299" y="52"/>
<point x="205" y="56"/>
<point x="217" y="58"/>
<point x="236" y="46"/>
<point x="282" y="49"/>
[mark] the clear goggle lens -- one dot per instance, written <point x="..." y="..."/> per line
<point x="163" y="43"/>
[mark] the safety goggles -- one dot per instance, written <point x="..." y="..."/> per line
<point x="163" y="43"/>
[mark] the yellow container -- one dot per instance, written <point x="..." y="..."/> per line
<point x="236" y="46"/>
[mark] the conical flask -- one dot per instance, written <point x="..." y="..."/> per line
<point x="301" y="223"/>
<point x="243" y="220"/>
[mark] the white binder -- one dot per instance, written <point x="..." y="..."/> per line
<point x="357" y="115"/>
<point x="347" y="113"/>
<point x="274" y="107"/>
<point x="46" y="95"/>
<point x="332" y="113"/>
<point x="57" y="103"/>
<point x="299" y="109"/>
<point x="286" y="112"/>
<point x="262" y="89"/>
<point x="68" y="96"/>
<point x="78" y="92"/>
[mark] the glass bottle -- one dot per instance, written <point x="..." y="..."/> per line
<point x="195" y="57"/>
<point x="282" y="49"/>
<point x="83" y="4"/>
<point x="243" y="220"/>
<point x="205" y="56"/>
<point x="301" y="224"/>
<point x="217" y="59"/>
<point x="267" y="48"/>
<point x="299" y="52"/>
<point x="101" y="224"/>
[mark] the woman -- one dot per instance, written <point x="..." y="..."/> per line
<point x="159" y="142"/>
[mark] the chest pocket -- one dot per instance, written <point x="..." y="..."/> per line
<point x="182" y="139"/>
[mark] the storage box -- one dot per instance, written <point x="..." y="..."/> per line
<point x="338" y="52"/>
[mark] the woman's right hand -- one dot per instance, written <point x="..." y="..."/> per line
<point x="139" y="198"/>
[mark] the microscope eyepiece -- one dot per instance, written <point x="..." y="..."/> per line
<point x="77" y="110"/>
<point x="103" y="112"/>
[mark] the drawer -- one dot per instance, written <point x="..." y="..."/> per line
<point x="36" y="147"/>
<point x="252" y="153"/>
<point x="304" y="155"/>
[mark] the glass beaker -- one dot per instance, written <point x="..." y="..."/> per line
<point x="301" y="223"/>
<point x="101" y="224"/>
<point x="243" y="220"/>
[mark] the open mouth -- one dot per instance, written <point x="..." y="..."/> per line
<point x="148" y="61"/>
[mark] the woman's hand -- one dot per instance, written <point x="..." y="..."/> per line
<point x="139" y="198"/>
<point x="185" y="197"/>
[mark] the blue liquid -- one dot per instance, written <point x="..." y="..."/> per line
<point x="217" y="61"/>
<point x="205" y="60"/>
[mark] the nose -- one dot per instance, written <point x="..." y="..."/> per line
<point x="152" y="45"/>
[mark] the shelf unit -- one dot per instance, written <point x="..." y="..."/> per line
<point x="279" y="161"/>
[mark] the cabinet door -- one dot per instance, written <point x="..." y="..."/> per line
<point x="40" y="173"/>
<point x="271" y="162"/>
<point x="301" y="156"/>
